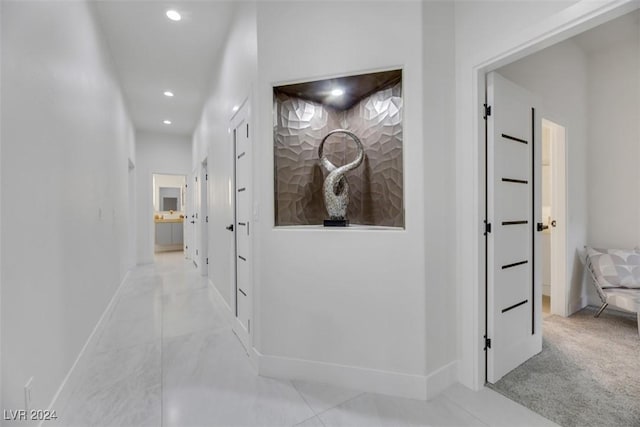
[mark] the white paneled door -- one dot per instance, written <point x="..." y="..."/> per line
<point x="203" y="215"/>
<point x="242" y="225"/>
<point x="186" y="225"/>
<point x="194" y="217"/>
<point x="514" y="282"/>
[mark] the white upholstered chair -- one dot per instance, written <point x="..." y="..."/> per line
<point x="616" y="277"/>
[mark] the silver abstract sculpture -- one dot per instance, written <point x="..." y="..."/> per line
<point x="336" y="188"/>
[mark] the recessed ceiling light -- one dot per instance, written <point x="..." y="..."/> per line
<point x="167" y="122"/>
<point x="235" y="108"/>
<point x="168" y="93"/>
<point x="337" y="92"/>
<point x="173" y="15"/>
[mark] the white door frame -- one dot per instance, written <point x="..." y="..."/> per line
<point x="559" y="258"/>
<point x="470" y="161"/>
<point x="132" y="260"/>
<point x="195" y="208"/>
<point x="186" y="224"/>
<point x="243" y="114"/>
<point x="203" y="205"/>
<point x="151" y="207"/>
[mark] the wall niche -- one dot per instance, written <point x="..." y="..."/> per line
<point x="370" y="106"/>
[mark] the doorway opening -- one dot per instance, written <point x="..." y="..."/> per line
<point x="569" y="352"/>
<point x="242" y="283"/>
<point x="132" y="230"/>
<point x="168" y="212"/>
<point x="472" y="300"/>
<point x="554" y="211"/>
<point x="202" y="227"/>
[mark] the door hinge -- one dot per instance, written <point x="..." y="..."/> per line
<point x="207" y="261"/>
<point x="206" y="218"/>
<point x="196" y="179"/>
<point x="487" y="111"/>
<point x="196" y="252"/>
<point x="247" y="130"/>
<point x="487" y="227"/>
<point x="487" y="343"/>
<point x="206" y="177"/>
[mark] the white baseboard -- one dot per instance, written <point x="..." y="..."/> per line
<point x="61" y="390"/>
<point x="441" y="379"/>
<point x="577" y="305"/>
<point x="357" y="378"/>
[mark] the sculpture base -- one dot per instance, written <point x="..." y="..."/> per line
<point x="336" y="222"/>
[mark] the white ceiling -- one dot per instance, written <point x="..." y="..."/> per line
<point x="624" y="29"/>
<point x="153" y="54"/>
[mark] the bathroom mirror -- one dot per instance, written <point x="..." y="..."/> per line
<point x="168" y="192"/>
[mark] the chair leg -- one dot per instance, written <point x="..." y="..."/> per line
<point x="604" y="305"/>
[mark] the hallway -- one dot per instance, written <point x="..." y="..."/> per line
<point x="165" y="355"/>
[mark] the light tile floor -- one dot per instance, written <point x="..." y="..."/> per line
<point x="166" y="356"/>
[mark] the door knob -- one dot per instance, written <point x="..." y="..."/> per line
<point x="230" y="227"/>
<point x="553" y="223"/>
<point x="541" y="226"/>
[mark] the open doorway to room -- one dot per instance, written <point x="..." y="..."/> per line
<point x="202" y="219"/>
<point x="546" y="200"/>
<point x="240" y="196"/>
<point x="554" y="208"/>
<point x="168" y="212"/>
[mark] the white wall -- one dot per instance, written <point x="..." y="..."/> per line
<point x="133" y="215"/>
<point x="344" y="306"/>
<point x="234" y="81"/>
<point x="614" y="145"/>
<point x="1" y="316"/>
<point x="558" y="75"/>
<point x="155" y="153"/>
<point x="66" y="138"/>
<point x="438" y="40"/>
<point x="132" y="231"/>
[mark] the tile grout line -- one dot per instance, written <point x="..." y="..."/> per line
<point x="342" y="403"/>
<point x="212" y="329"/>
<point x="481" y="420"/>
<point x="305" y="401"/>
<point x="338" y="405"/>
<point x="307" y="419"/>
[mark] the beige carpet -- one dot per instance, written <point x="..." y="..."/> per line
<point x="588" y="373"/>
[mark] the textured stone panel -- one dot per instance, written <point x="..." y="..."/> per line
<point x="376" y="186"/>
